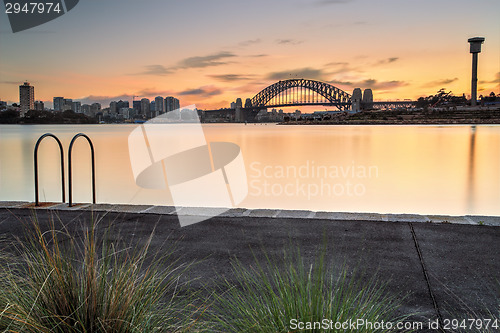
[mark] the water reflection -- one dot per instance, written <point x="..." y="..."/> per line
<point x="470" y="173"/>
<point x="421" y="169"/>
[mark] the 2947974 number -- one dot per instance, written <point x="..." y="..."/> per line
<point x="469" y="324"/>
<point x="32" y="8"/>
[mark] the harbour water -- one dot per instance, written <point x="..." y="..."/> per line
<point x="453" y="170"/>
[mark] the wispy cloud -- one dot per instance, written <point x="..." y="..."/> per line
<point x="205" y="91"/>
<point x="152" y="92"/>
<point x="341" y="68"/>
<point x="231" y="77"/>
<point x="156" y="70"/>
<point x="496" y="80"/>
<point x="371" y="84"/>
<point x="216" y="59"/>
<point x="307" y="72"/>
<point x="386" y="61"/>
<point x="288" y="41"/>
<point x="250" y="42"/>
<point x="339" y="63"/>
<point x="440" y="82"/>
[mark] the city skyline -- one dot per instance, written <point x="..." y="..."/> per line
<point x="99" y="52"/>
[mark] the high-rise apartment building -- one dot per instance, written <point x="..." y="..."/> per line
<point x="77" y="107"/>
<point x="67" y="104"/>
<point x="39" y="106"/>
<point x="95" y="108"/>
<point x="171" y="103"/>
<point x="136" y="105"/>
<point x="26" y="97"/>
<point x="159" y="105"/>
<point x="145" y="107"/>
<point x="58" y="103"/>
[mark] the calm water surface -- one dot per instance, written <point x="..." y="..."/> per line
<point x="387" y="169"/>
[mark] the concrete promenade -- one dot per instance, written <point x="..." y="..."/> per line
<point x="448" y="267"/>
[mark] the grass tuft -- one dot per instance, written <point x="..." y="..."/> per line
<point x="65" y="285"/>
<point x="275" y="291"/>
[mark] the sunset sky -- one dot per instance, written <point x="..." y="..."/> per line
<point x="209" y="52"/>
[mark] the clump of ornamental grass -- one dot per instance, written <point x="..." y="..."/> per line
<point x="285" y="294"/>
<point x="66" y="285"/>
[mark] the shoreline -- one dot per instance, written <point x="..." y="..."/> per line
<point x="479" y="220"/>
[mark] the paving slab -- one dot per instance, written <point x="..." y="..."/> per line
<point x="131" y="208"/>
<point x="12" y="204"/>
<point x="160" y="210"/>
<point x="463" y="266"/>
<point x="100" y="207"/>
<point x="296" y="214"/>
<point x="407" y="218"/>
<point x="485" y="220"/>
<point x="77" y="206"/>
<point x="42" y="205"/>
<point x="263" y="212"/>
<point x="200" y="211"/>
<point x="234" y="212"/>
<point x="351" y="216"/>
<point x="365" y="248"/>
<point x="448" y="219"/>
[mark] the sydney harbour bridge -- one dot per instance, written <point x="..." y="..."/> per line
<point x="305" y="92"/>
<point x="295" y="92"/>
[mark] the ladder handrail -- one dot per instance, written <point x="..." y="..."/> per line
<point x="36" y="165"/>
<point x="70" y="183"/>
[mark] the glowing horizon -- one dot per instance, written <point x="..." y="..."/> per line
<point x="209" y="53"/>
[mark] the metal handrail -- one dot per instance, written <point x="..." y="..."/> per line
<point x="70" y="183"/>
<point x="36" y="166"/>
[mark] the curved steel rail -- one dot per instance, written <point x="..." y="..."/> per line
<point x="36" y="165"/>
<point x="70" y="182"/>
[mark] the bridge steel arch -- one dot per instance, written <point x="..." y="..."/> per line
<point x="333" y="95"/>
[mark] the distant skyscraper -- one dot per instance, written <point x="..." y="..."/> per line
<point x="67" y="104"/>
<point x="122" y="104"/>
<point x="137" y="107"/>
<point x="112" y="107"/>
<point x="77" y="107"/>
<point x="159" y="105"/>
<point x="152" y="108"/>
<point x="58" y="103"/>
<point x="26" y="97"/>
<point x="248" y="103"/>
<point x="171" y="103"/>
<point x="145" y="107"/>
<point x="39" y="106"/>
<point x="95" y="109"/>
<point x="126" y="113"/>
<point x="239" y="104"/>
<point x="86" y="109"/>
